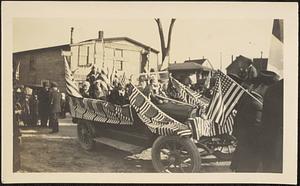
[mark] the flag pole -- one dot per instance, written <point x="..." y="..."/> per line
<point x="243" y="88"/>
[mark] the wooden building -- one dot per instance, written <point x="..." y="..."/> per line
<point x="122" y="54"/>
<point x="47" y="64"/>
<point x="195" y="67"/>
<point x="39" y="65"/>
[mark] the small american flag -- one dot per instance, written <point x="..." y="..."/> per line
<point x="226" y="94"/>
<point x="123" y="80"/>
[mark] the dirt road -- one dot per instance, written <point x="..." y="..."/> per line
<point x="61" y="152"/>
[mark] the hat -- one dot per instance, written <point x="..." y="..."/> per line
<point x="46" y="84"/>
<point x="54" y="84"/>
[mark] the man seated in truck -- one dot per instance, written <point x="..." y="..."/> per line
<point x="118" y="95"/>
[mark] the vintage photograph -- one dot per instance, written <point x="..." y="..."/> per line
<point x="153" y="94"/>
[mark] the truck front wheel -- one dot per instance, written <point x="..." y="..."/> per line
<point x="175" y="154"/>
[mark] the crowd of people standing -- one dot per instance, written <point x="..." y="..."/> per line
<point x="42" y="106"/>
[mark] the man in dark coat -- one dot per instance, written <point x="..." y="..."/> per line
<point x="248" y="126"/>
<point x="55" y="107"/>
<point x="272" y="129"/>
<point x="44" y="104"/>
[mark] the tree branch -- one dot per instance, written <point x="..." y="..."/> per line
<point x="162" y="39"/>
<point x="169" y="36"/>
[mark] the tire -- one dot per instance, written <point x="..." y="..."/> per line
<point x="86" y="136"/>
<point x="176" y="157"/>
<point x="230" y="145"/>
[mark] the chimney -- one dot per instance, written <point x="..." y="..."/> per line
<point x="202" y="57"/>
<point x="71" y="37"/>
<point x="231" y="58"/>
<point x="100" y="35"/>
<point x="261" y="54"/>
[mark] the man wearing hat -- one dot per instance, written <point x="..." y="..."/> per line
<point x="55" y="109"/>
<point x="44" y="104"/>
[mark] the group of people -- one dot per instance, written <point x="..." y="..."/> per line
<point x="97" y="86"/>
<point x="259" y="127"/>
<point x="44" y="105"/>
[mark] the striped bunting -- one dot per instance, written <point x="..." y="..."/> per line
<point x="203" y="127"/>
<point x="100" y="111"/>
<point x="157" y="121"/>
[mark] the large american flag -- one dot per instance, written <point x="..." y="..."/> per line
<point x="226" y="95"/>
<point x="72" y="89"/>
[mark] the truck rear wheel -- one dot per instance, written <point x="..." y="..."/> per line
<point x="86" y="136"/>
<point x="175" y="154"/>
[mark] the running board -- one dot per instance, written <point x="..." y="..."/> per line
<point x="134" y="149"/>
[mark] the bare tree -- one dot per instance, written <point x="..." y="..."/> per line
<point x="165" y="50"/>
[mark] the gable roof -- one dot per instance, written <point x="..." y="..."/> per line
<point x="239" y="61"/>
<point x="186" y="66"/>
<point x="198" y="61"/>
<point x="112" y="39"/>
<point x="64" y="46"/>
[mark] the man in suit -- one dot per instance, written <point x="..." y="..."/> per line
<point x="272" y="129"/>
<point x="43" y="107"/>
<point x="55" y="109"/>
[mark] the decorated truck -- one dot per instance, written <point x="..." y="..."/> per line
<point x="174" y="130"/>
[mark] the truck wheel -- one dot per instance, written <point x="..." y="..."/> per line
<point x="175" y="154"/>
<point x="85" y="136"/>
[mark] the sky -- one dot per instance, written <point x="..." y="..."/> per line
<point x="214" y="39"/>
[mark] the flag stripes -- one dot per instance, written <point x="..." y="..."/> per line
<point x="185" y="94"/>
<point x="72" y="89"/>
<point x="202" y="127"/>
<point x="226" y="95"/>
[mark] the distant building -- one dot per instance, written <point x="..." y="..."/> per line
<point x="120" y="53"/>
<point x="240" y="63"/>
<point x="39" y="65"/>
<point x="190" y="67"/>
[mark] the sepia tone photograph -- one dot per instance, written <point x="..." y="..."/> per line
<point x="150" y="94"/>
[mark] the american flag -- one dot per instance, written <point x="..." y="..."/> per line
<point x="17" y="71"/>
<point x="123" y="80"/>
<point x="72" y="89"/>
<point x="226" y="95"/>
<point x="186" y="94"/>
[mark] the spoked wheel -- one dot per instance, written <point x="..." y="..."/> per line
<point x="85" y="136"/>
<point x="175" y="154"/>
<point x="224" y="147"/>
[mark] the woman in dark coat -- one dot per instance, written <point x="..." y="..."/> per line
<point x="247" y="156"/>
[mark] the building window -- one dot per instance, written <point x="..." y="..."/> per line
<point x="118" y="53"/>
<point x="119" y="65"/>
<point x="45" y="81"/>
<point x="83" y="56"/>
<point x="32" y="64"/>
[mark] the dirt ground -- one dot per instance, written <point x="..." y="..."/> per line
<point x="61" y="152"/>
